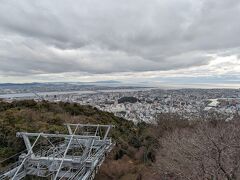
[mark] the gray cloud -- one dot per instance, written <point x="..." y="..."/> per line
<point x="60" y="36"/>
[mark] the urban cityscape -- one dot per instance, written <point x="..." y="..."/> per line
<point x="120" y="90"/>
<point x="145" y="104"/>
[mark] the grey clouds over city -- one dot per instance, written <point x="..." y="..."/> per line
<point x="164" y="41"/>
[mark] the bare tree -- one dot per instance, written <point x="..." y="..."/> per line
<point x="205" y="152"/>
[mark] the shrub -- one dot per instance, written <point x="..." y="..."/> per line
<point x="204" y="152"/>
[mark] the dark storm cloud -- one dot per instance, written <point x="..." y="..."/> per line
<point x="58" y="36"/>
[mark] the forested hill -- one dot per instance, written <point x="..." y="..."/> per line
<point x="175" y="148"/>
<point x="135" y="144"/>
<point x="128" y="99"/>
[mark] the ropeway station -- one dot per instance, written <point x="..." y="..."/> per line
<point x="76" y="155"/>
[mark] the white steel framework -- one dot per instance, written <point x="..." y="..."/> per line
<point x="76" y="155"/>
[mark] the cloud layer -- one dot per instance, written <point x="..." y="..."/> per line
<point x="92" y="37"/>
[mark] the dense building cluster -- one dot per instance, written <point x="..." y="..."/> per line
<point x="146" y="104"/>
<point x="189" y="103"/>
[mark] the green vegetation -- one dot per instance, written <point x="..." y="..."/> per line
<point x="175" y="148"/>
<point x="128" y="99"/>
<point x="134" y="143"/>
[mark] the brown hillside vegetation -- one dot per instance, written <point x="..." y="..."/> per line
<point x="135" y="144"/>
<point x="207" y="149"/>
<point x="173" y="149"/>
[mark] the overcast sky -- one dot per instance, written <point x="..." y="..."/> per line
<point x="156" y="41"/>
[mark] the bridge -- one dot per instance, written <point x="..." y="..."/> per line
<point x="75" y="155"/>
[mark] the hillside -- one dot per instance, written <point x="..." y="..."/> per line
<point x="175" y="148"/>
<point x="127" y="100"/>
<point x="135" y="145"/>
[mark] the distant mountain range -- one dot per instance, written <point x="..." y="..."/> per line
<point x="11" y="88"/>
<point x="111" y="81"/>
<point x="59" y="83"/>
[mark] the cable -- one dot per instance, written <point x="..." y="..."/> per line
<point x="18" y="153"/>
<point x="12" y="156"/>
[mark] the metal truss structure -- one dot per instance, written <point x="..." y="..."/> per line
<point x="73" y="156"/>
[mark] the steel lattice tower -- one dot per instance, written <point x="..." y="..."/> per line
<point x="74" y="156"/>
